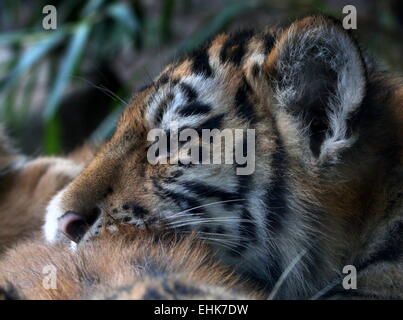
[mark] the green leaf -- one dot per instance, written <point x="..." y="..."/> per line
<point x="8" y="105"/>
<point x="124" y="15"/>
<point x="52" y="137"/>
<point x="34" y="35"/>
<point x="30" y="57"/>
<point x="91" y="7"/>
<point x="166" y="19"/>
<point x="10" y="37"/>
<point x="27" y="96"/>
<point x="71" y="57"/>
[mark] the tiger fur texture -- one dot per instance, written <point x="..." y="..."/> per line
<point x="128" y="264"/>
<point x="326" y="191"/>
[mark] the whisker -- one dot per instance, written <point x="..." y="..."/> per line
<point x="179" y="215"/>
<point x="213" y="220"/>
<point x="189" y="222"/>
<point x="104" y="89"/>
<point x="225" y="244"/>
<point x="230" y="240"/>
<point x="326" y="289"/>
<point x="285" y="274"/>
<point x="209" y="204"/>
<point x="112" y="94"/>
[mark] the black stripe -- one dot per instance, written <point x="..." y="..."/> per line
<point x="189" y="92"/>
<point x="269" y="40"/>
<point x="209" y="191"/>
<point x="247" y="228"/>
<point x="214" y="122"/>
<point x="162" y="108"/>
<point x="233" y="49"/>
<point x="247" y="232"/>
<point x="276" y="193"/>
<point x="163" y="79"/>
<point x="255" y="70"/>
<point x="201" y="63"/>
<point x="194" y="108"/>
<point x="180" y="199"/>
<point x="205" y="229"/>
<point x="221" y="230"/>
<point x="243" y="106"/>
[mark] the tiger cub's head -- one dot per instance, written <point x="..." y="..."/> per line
<point x="308" y="99"/>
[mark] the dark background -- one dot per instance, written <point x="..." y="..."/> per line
<point x="59" y="88"/>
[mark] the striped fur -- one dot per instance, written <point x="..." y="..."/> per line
<point x="327" y="186"/>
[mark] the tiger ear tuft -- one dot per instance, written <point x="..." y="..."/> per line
<point x="318" y="78"/>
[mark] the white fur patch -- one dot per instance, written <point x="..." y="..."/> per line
<point x="210" y="92"/>
<point x="53" y="212"/>
<point x="55" y="209"/>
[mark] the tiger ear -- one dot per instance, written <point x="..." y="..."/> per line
<point x="318" y="79"/>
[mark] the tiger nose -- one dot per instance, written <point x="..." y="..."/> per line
<point x="74" y="225"/>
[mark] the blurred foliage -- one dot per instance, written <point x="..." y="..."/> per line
<point x="94" y="32"/>
<point x="106" y="25"/>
